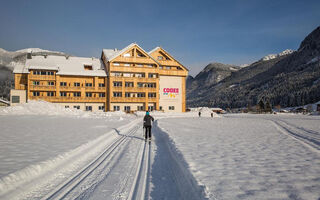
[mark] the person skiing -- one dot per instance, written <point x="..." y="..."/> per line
<point x="147" y="125"/>
<point x="212" y="114"/>
<point x="199" y="114"/>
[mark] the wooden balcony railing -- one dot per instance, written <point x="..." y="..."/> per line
<point x="42" y="87"/>
<point x="42" y="77"/>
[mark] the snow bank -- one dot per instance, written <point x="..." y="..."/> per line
<point x="51" y="109"/>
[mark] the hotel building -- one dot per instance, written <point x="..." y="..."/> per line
<point x="129" y="80"/>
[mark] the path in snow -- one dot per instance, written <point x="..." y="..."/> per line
<point x="117" y="165"/>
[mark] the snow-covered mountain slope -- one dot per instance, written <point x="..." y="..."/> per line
<point x="273" y="56"/>
<point x="287" y="79"/>
<point x="10" y="59"/>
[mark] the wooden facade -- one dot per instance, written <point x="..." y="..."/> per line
<point x="132" y="78"/>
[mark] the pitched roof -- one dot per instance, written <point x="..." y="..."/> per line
<point x="64" y="65"/>
<point x="111" y="54"/>
<point x="160" y="48"/>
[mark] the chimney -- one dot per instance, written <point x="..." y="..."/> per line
<point x="67" y="57"/>
<point x="29" y="56"/>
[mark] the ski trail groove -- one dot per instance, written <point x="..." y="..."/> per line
<point x="65" y="188"/>
<point x="304" y="138"/>
<point x="139" y="186"/>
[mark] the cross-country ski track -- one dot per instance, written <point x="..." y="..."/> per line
<point x="128" y="163"/>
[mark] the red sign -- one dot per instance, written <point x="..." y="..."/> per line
<point x="171" y="90"/>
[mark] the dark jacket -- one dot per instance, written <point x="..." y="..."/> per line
<point x="147" y="120"/>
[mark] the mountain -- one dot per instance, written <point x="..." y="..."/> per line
<point x="9" y="59"/>
<point x="210" y="75"/>
<point x="273" y="56"/>
<point x="291" y="78"/>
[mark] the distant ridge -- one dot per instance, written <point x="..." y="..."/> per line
<point x="290" y="78"/>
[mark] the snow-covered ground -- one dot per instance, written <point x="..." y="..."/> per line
<point x="47" y="151"/>
<point x="251" y="156"/>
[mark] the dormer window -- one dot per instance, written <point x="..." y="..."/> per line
<point x="116" y="64"/>
<point x="160" y="58"/>
<point x="87" y="67"/>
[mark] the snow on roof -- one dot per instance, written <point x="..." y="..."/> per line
<point x="64" y="65"/>
<point x="110" y="54"/>
<point x="20" y="68"/>
<point x="153" y="50"/>
<point x="44" y="67"/>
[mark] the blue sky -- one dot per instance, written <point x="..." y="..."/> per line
<point x="195" y="32"/>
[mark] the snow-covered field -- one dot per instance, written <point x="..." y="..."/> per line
<point x="250" y="156"/>
<point x="233" y="156"/>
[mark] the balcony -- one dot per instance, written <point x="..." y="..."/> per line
<point x="132" y="79"/>
<point x="128" y="99"/>
<point x="69" y="88"/>
<point x="42" y="87"/>
<point x="60" y="99"/>
<point x="42" y="77"/>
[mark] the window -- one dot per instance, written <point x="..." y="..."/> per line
<point x="102" y="95"/>
<point x="150" y="66"/>
<point x="87" y="67"/>
<point x="116" y="74"/>
<point x="50" y="94"/>
<point x="50" y="73"/>
<point x="66" y="106"/>
<point x="129" y="84"/>
<point x="127" y="94"/>
<point x="140" y="94"/>
<point x="43" y="73"/>
<point x="77" y="94"/>
<point x="151" y="95"/>
<point x="63" y="84"/>
<point x="116" y="108"/>
<point x="150" y="108"/>
<point x="36" y="72"/>
<point x="127" y="74"/>
<point x="51" y="83"/>
<point x="116" y="64"/>
<point x="101" y="108"/>
<point x="101" y="85"/>
<point x="76" y="84"/>
<point x="117" y="94"/>
<point x="127" y="108"/>
<point x="139" y="65"/>
<point x="88" y="108"/>
<point x="167" y="67"/>
<point x="160" y="67"/>
<point x="36" y="94"/>
<point x="151" y="85"/>
<point x="152" y="75"/>
<point x="88" y="94"/>
<point x="36" y="83"/>
<point x="88" y="84"/>
<point x="160" y="58"/>
<point x="76" y="107"/>
<point x="117" y="84"/>
<point x="15" y="99"/>
<point x="127" y="64"/>
<point x="160" y="107"/>
<point x="139" y="75"/>
<point x="140" y="108"/>
<point x="171" y="107"/>
<point x="63" y="94"/>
